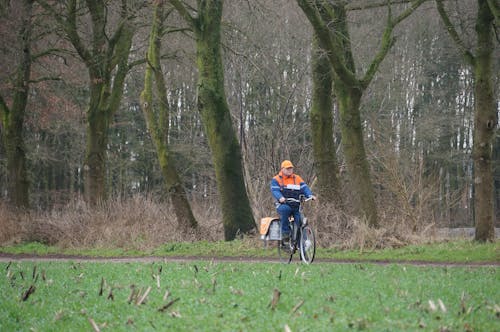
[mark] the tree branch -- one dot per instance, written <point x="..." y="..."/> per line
<point x="364" y="6"/>
<point x="97" y="11"/>
<point x="139" y="62"/>
<point x="414" y="5"/>
<point x="183" y="11"/>
<point x="469" y="57"/>
<point x="388" y="40"/>
<point x="43" y="79"/>
<point x="51" y="51"/>
<point x="495" y="10"/>
<point x="325" y="39"/>
<point x="69" y="26"/>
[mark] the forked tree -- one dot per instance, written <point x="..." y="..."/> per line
<point x="329" y="21"/>
<point x="106" y="59"/>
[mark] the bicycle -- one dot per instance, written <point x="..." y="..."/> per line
<point x="301" y="238"/>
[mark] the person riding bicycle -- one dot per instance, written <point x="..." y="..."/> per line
<point x="285" y="185"/>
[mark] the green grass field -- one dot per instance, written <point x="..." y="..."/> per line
<point x="204" y="296"/>
<point x="462" y="251"/>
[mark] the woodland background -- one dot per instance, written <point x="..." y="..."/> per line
<point x="417" y="117"/>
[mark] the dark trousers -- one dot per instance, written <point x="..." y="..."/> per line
<point x="286" y="211"/>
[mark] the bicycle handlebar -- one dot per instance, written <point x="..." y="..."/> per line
<point x="294" y="200"/>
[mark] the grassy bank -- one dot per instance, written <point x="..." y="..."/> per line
<point x="456" y="251"/>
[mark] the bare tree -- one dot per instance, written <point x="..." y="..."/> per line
<point x="106" y="59"/>
<point x="485" y="118"/>
<point x="329" y="21"/>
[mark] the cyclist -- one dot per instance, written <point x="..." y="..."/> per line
<point x="285" y="185"/>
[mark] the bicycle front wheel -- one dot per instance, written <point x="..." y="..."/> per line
<point x="284" y="252"/>
<point x="307" y="245"/>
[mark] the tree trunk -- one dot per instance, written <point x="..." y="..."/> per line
<point x="485" y="115"/>
<point x="349" y="100"/>
<point x="212" y="104"/>
<point x="159" y="126"/>
<point x="330" y="24"/>
<point x="94" y="166"/>
<point x="324" y="150"/>
<point x="334" y="38"/>
<point x="106" y="59"/>
<point x="226" y="153"/>
<point x="107" y="63"/>
<point x="12" y="118"/>
<point x="485" y="124"/>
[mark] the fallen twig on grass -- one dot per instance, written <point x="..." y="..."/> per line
<point x="296" y="307"/>
<point x="94" y="325"/>
<point x="144" y="296"/>
<point x="30" y="291"/>
<point x="166" y="306"/>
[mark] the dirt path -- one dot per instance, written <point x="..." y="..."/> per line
<point x="150" y="259"/>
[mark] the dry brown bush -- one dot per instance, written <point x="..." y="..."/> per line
<point x="143" y="223"/>
<point x="136" y="223"/>
<point x="337" y="229"/>
<point x="10" y="221"/>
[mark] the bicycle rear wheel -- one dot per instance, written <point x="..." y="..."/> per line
<point x="307" y="245"/>
<point x="284" y="252"/>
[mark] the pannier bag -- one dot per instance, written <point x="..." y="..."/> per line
<point x="270" y="229"/>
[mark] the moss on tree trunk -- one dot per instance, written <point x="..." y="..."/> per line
<point x="324" y="150"/>
<point x="226" y="154"/>
<point x="107" y="63"/>
<point x="158" y="126"/>
<point x="12" y="118"/>
<point x="349" y="100"/>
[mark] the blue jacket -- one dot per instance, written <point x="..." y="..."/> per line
<point x="289" y="187"/>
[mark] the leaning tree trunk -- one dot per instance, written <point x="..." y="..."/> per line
<point x="324" y="151"/>
<point x="158" y="126"/>
<point x="212" y="104"/>
<point x="12" y="118"/>
<point x="485" y="124"/>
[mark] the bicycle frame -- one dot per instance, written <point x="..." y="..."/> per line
<point x="302" y="237"/>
